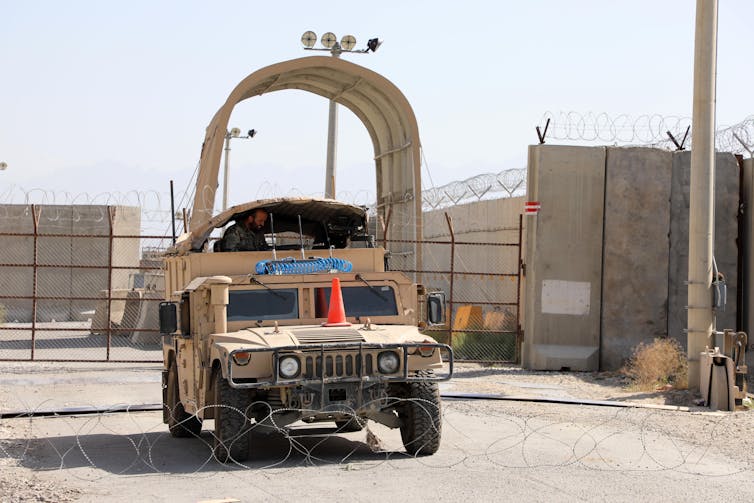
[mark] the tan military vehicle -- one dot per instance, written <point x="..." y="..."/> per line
<point x="314" y="329"/>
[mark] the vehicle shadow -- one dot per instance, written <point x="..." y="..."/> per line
<point x="159" y="452"/>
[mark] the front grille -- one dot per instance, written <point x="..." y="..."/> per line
<point x="341" y="365"/>
<point x="327" y="363"/>
<point x="323" y="335"/>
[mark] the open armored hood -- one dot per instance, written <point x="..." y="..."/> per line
<point x="324" y="217"/>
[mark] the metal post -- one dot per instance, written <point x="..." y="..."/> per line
<point x="519" y="337"/>
<point x="225" y="171"/>
<point x="701" y="319"/>
<point x="172" y="209"/>
<point x="332" y="140"/>
<point x="449" y="220"/>
<point x="111" y="236"/>
<point x="35" y="214"/>
<point x="332" y="147"/>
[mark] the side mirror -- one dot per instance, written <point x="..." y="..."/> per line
<point x="168" y="318"/>
<point x="436" y="308"/>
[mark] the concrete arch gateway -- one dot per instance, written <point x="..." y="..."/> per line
<point x="384" y="111"/>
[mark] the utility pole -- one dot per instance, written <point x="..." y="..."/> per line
<point x="701" y="316"/>
<point x="332" y="140"/>
<point x="233" y="133"/>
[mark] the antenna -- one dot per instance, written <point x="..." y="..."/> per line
<point x="172" y="208"/>
<point x="327" y="235"/>
<point x="301" y="238"/>
<point x="272" y="230"/>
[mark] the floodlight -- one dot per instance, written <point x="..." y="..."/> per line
<point x="373" y="44"/>
<point x="328" y="40"/>
<point x="235" y="132"/>
<point x="309" y="38"/>
<point x="3" y="166"/>
<point x="348" y="42"/>
<point x="252" y="133"/>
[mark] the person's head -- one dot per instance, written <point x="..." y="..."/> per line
<point x="256" y="219"/>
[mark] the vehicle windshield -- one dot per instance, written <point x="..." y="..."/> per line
<point x="257" y="305"/>
<point x="378" y="300"/>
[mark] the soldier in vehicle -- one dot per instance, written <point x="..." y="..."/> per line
<point x="247" y="233"/>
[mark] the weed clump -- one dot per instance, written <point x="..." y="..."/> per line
<point x="659" y="364"/>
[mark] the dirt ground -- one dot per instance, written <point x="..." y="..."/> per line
<point x="510" y="380"/>
<point x="38" y="386"/>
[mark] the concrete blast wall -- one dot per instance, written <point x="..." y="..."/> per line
<point x="727" y="198"/>
<point x="564" y="258"/>
<point x="66" y="250"/>
<point x="625" y="212"/>
<point x="636" y="250"/>
<point x="748" y="261"/>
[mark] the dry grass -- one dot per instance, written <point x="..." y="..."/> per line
<point x="659" y="364"/>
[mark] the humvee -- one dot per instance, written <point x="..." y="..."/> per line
<point x="315" y="329"/>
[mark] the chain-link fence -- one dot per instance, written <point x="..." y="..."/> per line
<point x="81" y="283"/>
<point x="482" y="282"/>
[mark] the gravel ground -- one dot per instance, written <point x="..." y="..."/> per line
<point x="694" y="427"/>
<point x="514" y="381"/>
<point x="730" y="431"/>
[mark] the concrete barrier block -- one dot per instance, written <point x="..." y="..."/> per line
<point x="564" y="257"/>
<point x="725" y="245"/>
<point x="636" y="248"/>
<point x="149" y="320"/>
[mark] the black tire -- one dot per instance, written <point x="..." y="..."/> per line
<point x="232" y="427"/>
<point x="421" y="417"/>
<point x="351" y="425"/>
<point x="181" y="423"/>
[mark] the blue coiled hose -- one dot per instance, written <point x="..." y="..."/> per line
<point x="291" y="265"/>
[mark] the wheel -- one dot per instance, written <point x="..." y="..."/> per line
<point x="350" y="425"/>
<point x="180" y="422"/>
<point x="421" y="417"/>
<point x="232" y="427"/>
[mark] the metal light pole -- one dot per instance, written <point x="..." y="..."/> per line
<point x="332" y="147"/>
<point x="330" y="43"/>
<point x="233" y="133"/>
<point x="701" y="317"/>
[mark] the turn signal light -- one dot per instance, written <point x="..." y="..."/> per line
<point x="242" y="358"/>
<point x="425" y="351"/>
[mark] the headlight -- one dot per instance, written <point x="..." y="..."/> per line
<point x="288" y="367"/>
<point x="388" y="362"/>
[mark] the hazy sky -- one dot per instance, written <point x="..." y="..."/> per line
<point x="102" y="96"/>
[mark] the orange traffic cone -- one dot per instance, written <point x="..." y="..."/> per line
<point x="336" y="315"/>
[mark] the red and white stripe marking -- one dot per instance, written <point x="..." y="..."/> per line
<point x="532" y="207"/>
